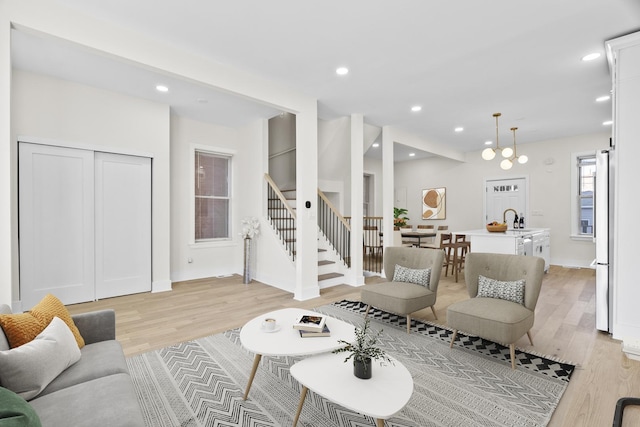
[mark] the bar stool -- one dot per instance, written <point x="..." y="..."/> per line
<point x="464" y="247"/>
<point x="445" y="245"/>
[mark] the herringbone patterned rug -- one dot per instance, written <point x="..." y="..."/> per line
<point x="201" y="383"/>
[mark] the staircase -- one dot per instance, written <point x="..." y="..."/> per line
<point x="281" y="211"/>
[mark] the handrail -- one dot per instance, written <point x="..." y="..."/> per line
<point x="276" y="190"/>
<point x="335" y="228"/>
<point x="333" y="208"/>
<point x="281" y="216"/>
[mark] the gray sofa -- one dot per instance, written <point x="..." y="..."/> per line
<point x="95" y="391"/>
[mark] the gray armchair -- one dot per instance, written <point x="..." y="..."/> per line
<point x="492" y="318"/>
<point x="405" y="298"/>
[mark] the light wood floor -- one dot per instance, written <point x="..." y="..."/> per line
<point x="564" y="329"/>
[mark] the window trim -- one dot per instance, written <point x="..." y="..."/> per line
<point x="216" y="242"/>
<point x="575" y="197"/>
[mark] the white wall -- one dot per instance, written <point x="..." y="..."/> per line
<point x="549" y="190"/>
<point x="79" y="115"/>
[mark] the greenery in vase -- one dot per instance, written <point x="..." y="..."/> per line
<point x="365" y="346"/>
<point x="399" y="220"/>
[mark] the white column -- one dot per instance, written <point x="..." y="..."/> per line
<point x="387" y="184"/>
<point x="7" y="162"/>
<point x="357" y="171"/>
<point x="307" y="191"/>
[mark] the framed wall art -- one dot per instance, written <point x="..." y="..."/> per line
<point x="434" y="203"/>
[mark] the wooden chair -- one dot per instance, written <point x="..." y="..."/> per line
<point x="436" y="241"/>
<point x="445" y="239"/>
<point x="429" y="241"/>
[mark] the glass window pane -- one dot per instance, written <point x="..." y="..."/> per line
<point x="211" y="218"/>
<point x="212" y="175"/>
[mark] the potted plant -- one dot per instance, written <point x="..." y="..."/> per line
<point x="399" y="220"/>
<point x="363" y="351"/>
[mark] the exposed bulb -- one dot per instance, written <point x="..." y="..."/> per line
<point x="507" y="152"/>
<point x="506" y="164"/>
<point x="523" y="159"/>
<point x="488" y="153"/>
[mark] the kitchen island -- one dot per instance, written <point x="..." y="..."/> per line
<point x="528" y="241"/>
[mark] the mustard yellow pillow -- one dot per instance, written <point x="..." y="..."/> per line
<point x="20" y="328"/>
<point x="24" y="327"/>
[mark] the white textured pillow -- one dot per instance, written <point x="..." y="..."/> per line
<point x="510" y="291"/>
<point x="28" y="369"/>
<point x="412" y="275"/>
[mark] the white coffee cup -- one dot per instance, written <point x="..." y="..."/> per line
<point x="269" y="324"/>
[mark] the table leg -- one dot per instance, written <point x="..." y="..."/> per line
<point x="256" y="362"/>
<point x="303" y="394"/>
<point x="380" y="422"/>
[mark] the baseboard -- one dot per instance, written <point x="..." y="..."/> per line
<point x="631" y="348"/>
<point x="161" y="286"/>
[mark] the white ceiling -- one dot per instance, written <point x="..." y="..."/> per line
<point x="461" y="60"/>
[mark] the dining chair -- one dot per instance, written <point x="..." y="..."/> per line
<point x="436" y="241"/>
<point x="428" y="242"/>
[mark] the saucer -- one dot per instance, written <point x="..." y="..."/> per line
<point x="276" y="329"/>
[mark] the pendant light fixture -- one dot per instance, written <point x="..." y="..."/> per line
<point x="489" y="153"/>
<point x="506" y="164"/>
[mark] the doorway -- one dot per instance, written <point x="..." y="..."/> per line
<point x="503" y="194"/>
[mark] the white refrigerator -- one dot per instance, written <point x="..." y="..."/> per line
<point x="602" y="235"/>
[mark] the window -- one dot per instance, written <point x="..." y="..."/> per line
<point x="583" y="185"/>
<point x="212" y="196"/>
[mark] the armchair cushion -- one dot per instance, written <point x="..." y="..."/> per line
<point x="506" y="290"/>
<point x="412" y="275"/>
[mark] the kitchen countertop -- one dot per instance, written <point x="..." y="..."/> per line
<point x="508" y="233"/>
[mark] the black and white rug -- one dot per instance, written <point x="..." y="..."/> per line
<point x="201" y="382"/>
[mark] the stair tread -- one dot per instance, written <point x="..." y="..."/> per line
<point x="329" y="276"/>
<point x="326" y="262"/>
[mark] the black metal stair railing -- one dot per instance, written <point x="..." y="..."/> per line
<point x="335" y="228"/>
<point x="281" y="216"/>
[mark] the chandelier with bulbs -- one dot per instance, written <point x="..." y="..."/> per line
<point x="510" y="154"/>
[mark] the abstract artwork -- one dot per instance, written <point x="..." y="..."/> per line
<point x="433" y="203"/>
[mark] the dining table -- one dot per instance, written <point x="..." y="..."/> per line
<point x="418" y="235"/>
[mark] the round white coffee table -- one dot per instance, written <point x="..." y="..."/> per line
<point x="381" y="397"/>
<point x="286" y="341"/>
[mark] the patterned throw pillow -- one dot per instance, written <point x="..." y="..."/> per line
<point x="510" y="291"/>
<point x="412" y="275"/>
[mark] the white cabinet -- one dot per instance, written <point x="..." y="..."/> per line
<point x="530" y="242"/>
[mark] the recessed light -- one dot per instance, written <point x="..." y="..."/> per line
<point x="488" y="143"/>
<point x="416" y="108"/>
<point x="161" y="88"/>
<point x="341" y="71"/>
<point x="607" y="123"/>
<point x="412" y="154"/>
<point x="459" y="129"/>
<point x="375" y="145"/>
<point x="591" y="56"/>
<point x="603" y="98"/>
<point x="202" y="100"/>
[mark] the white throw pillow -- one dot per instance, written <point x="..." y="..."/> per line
<point x="28" y="369"/>
<point x="412" y="275"/>
<point x="510" y="291"/>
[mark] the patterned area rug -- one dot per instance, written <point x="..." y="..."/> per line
<point x="201" y="383"/>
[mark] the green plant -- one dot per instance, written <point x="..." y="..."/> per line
<point x="398" y="220"/>
<point x="365" y="346"/>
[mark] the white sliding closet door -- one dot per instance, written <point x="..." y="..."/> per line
<point x="123" y="224"/>
<point x="56" y="223"/>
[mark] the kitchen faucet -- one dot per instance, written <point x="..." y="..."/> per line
<point x="504" y="214"/>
